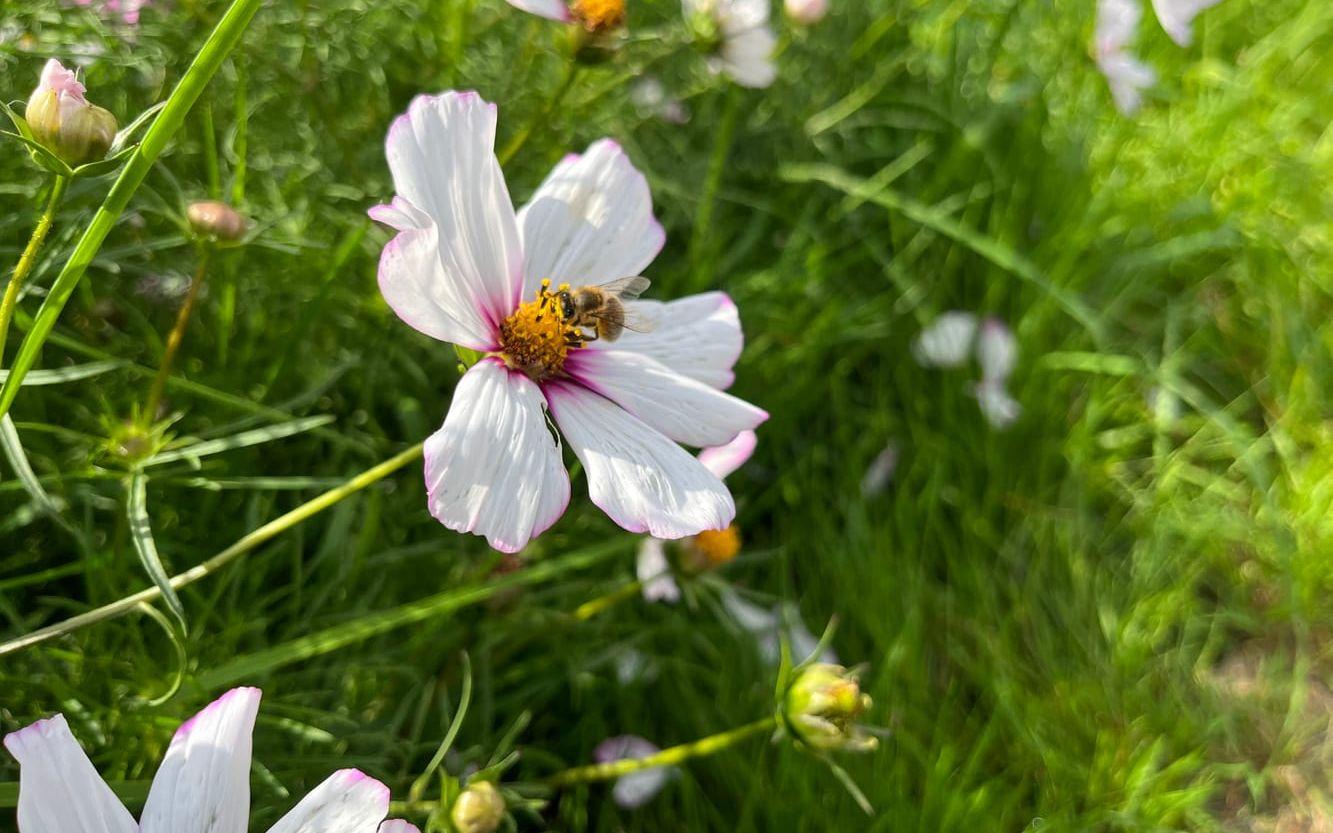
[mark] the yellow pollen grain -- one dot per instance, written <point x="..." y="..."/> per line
<point x="599" y="15"/>
<point x="535" y="339"/>
<point x="718" y="546"/>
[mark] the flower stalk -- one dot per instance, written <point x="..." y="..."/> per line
<point x="29" y="258"/>
<point x="593" y="607"/>
<point x="703" y="747"/>
<point x="174" y="339"/>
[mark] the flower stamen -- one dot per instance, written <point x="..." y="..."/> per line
<point x="536" y="339"/>
<point x="599" y="15"/>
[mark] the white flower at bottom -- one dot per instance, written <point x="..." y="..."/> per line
<point x="745" y="39"/>
<point x="203" y="783"/>
<point x="465" y="268"/>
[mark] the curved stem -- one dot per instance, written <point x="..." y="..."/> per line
<point x="667" y="757"/>
<point x="174" y="339"/>
<point x="591" y="608"/>
<point x="28" y="258"/>
<point x="516" y="144"/>
<point x="247" y="543"/>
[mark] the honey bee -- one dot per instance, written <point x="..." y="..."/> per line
<point x="601" y="308"/>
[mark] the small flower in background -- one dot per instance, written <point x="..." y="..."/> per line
<point x="127" y="10"/>
<point x="637" y="788"/>
<point x="204" y="781"/>
<point x="479" y="809"/>
<point x="1126" y="75"/>
<point x="596" y="16"/>
<point x="737" y="36"/>
<point x="649" y="97"/>
<point x="997" y="353"/>
<point x="704" y="551"/>
<point x="63" y="120"/>
<point x="822" y="706"/>
<point x="880" y="471"/>
<point x="161" y="288"/>
<point x="459" y="271"/>
<point x="769" y="626"/>
<point x="947" y="342"/>
<point x="806" y="12"/>
<point x="1177" y="17"/>
<point x="215" y="220"/>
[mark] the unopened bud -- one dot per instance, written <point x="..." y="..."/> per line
<point x="480" y="809"/>
<point x="211" y="218"/>
<point x="822" y="707"/>
<point x="64" y="122"/>
<point x="807" y="12"/>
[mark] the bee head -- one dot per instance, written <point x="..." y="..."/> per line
<point x="567" y="308"/>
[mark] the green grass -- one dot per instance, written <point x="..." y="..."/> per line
<point x="1113" y="617"/>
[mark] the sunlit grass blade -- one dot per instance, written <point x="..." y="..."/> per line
<point x="18" y="460"/>
<point x="141" y="534"/>
<point x="60" y="375"/>
<point x="245" y="438"/>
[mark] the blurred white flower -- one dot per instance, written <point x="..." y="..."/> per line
<point x="1177" y="17"/>
<point x="654" y="572"/>
<point x="997" y="351"/>
<point x="947" y="342"/>
<point x="650" y="97"/>
<point x="806" y="12"/>
<point x="999" y="408"/>
<point x="767" y="626"/>
<point x="204" y="782"/>
<point x="880" y="471"/>
<point x="127" y="10"/>
<point x="638" y="788"/>
<point x="1126" y="75"/>
<point x="460" y="269"/>
<point x="740" y="34"/>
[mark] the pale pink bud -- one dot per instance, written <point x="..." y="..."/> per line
<point x="64" y="122"/>
<point x="807" y="12"/>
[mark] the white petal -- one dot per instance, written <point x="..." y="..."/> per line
<point x="1127" y="77"/>
<point x="880" y="471"/>
<point x="638" y="788"/>
<point x="999" y="408"/>
<point x="654" y="573"/>
<point x="414" y="284"/>
<point x="997" y="351"/>
<point x="550" y="9"/>
<point x="204" y="781"/>
<point x="748" y="57"/>
<point x="398" y="826"/>
<point x="59" y="788"/>
<point x="1117" y="24"/>
<point x="643" y="480"/>
<point x="442" y="156"/>
<point x="750" y="616"/>
<point x="740" y="15"/>
<point x="947" y="341"/>
<point x="722" y="460"/>
<point x="698" y="336"/>
<point x="1177" y="17"/>
<point x="494" y="469"/>
<point x="684" y="409"/>
<point x="590" y="222"/>
<point x="348" y="801"/>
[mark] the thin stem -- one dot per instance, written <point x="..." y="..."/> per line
<point x="174" y="339"/>
<point x="28" y="258"/>
<point x="591" y="608"/>
<point x="703" y="218"/>
<point x="667" y="757"/>
<point x="247" y="543"/>
<point x="516" y="144"/>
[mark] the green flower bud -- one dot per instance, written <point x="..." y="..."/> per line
<point x="66" y="123"/>
<point x="217" y="220"/>
<point x="480" y="809"/>
<point x="821" y="708"/>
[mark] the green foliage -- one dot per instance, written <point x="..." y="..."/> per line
<point x="1113" y="617"/>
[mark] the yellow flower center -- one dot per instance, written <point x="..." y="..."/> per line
<point x="599" y="15"/>
<point x="536" y="339"/>
<point x="718" y="546"/>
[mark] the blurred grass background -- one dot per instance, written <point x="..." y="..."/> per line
<point x="1114" y="616"/>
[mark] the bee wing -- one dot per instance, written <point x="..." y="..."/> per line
<point x="626" y="289"/>
<point x="628" y="318"/>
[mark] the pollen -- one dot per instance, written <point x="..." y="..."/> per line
<point x="718" y="546"/>
<point x="599" y="15"/>
<point x="536" y="339"/>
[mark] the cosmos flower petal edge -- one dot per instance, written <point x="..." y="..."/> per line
<point x="60" y="791"/>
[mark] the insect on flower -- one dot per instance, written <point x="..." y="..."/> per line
<point x="465" y="268"/>
<point x="203" y="783"/>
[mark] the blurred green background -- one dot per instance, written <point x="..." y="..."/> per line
<point x="1114" y="616"/>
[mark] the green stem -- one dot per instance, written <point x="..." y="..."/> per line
<point x="215" y="50"/>
<point x="667" y="757"/>
<point x="247" y="543"/>
<point x="28" y="258"/>
<point x="703" y="218"/>
<point x="589" y="609"/>
<point x="174" y="339"/>
<point x="516" y="144"/>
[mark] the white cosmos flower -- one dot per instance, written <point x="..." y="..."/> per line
<point x="465" y="268"/>
<point x="947" y="341"/>
<point x="997" y="353"/>
<point x="203" y="785"/>
<point x="652" y="568"/>
<point x="745" y="39"/>
<point x="637" y="788"/>
<point x="1177" y="17"/>
<point x="1126" y="75"/>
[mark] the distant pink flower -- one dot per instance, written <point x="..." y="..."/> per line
<point x="806" y="12"/>
<point x="203" y="783"/>
<point x="128" y="10"/>
<point x="465" y="268"/>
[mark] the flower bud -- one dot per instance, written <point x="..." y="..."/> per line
<point x="211" y="218"/>
<point x="807" y="12"/>
<point x="821" y="708"/>
<point x="66" y="123"/>
<point x="480" y="809"/>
